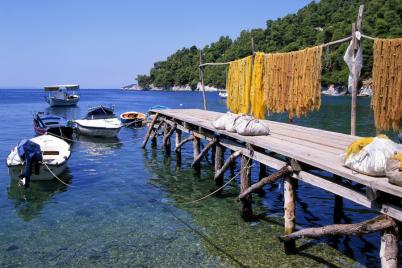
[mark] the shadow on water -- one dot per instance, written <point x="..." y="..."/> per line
<point x="29" y="202"/>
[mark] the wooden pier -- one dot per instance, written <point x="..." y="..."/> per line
<point x="297" y="153"/>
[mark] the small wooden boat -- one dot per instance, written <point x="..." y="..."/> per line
<point x="32" y="159"/>
<point x="99" y="122"/>
<point x="53" y="124"/>
<point x="62" y="95"/>
<point x="134" y="119"/>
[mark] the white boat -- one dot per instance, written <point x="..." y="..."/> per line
<point x="55" y="154"/>
<point x="99" y="122"/>
<point x="62" y="95"/>
<point x="223" y="94"/>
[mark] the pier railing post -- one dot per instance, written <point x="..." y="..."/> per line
<point x="245" y="183"/>
<point x="289" y="197"/>
<point x="219" y="159"/>
<point x="196" y="152"/>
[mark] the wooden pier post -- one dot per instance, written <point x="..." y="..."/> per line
<point x="262" y="174"/>
<point x="289" y="197"/>
<point x="196" y="152"/>
<point x="150" y="128"/>
<point x="166" y="139"/>
<point x="245" y="183"/>
<point x="389" y="247"/>
<point x="232" y="165"/>
<point x="178" y="149"/>
<point x="219" y="159"/>
<point x="154" y="139"/>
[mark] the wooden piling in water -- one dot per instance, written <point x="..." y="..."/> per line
<point x="245" y="182"/>
<point x="166" y="138"/>
<point x="150" y="129"/>
<point x="389" y="247"/>
<point x="196" y="152"/>
<point x="219" y="158"/>
<point x="178" y="149"/>
<point x="262" y="174"/>
<point x="289" y="197"/>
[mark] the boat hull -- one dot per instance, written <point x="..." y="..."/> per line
<point x="133" y="119"/>
<point x="44" y="174"/>
<point x="97" y="132"/>
<point x="53" y="102"/>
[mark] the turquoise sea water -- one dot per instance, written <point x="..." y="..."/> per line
<point x="125" y="207"/>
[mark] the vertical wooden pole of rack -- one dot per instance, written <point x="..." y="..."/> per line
<point x="219" y="153"/>
<point x="196" y="152"/>
<point x="177" y="142"/>
<point x="202" y="82"/>
<point x="245" y="183"/>
<point x="356" y="45"/>
<point x="289" y="197"/>
<point x="389" y="247"/>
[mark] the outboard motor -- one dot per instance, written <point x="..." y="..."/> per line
<point x="29" y="152"/>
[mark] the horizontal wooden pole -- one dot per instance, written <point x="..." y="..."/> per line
<point x="225" y="166"/>
<point x="378" y="223"/>
<point x="270" y="179"/>
<point x="189" y="138"/>
<point x="203" y="152"/>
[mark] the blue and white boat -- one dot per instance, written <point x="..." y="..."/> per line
<point x="62" y="95"/>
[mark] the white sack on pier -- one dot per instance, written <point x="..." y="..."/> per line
<point x="372" y="158"/>
<point x="251" y="127"/>
<point x="232" y="125"/>
<point x="393" y="173"/>
<point x="221" y="122"/>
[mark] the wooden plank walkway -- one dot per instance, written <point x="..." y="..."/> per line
<point x="317" y="148"/>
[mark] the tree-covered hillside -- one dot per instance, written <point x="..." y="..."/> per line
<point x="316" y="23"/>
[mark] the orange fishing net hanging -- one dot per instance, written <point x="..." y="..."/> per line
<point x="387" y="84"/>
<point x="292" y="81"/>
<point x="238" y="85"/>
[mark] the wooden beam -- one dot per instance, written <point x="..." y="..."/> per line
<point x="245" y="181"/>
<point x="270" y="179"/>
<point x="178" y="146"/>
<point x="262" y="174"/>
<point x="204" y="151"/>
<point x="225" y="166"/>
<point x="150" y="128"/>
<point x="376" y="224"/>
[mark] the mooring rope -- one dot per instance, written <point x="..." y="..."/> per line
<point x="220" y="188"/>
<point x="55" y="176"/>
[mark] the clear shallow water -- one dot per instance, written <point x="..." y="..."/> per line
<point x="126" y="206"/>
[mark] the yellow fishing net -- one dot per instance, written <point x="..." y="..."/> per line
<point x="292" y="81"/>
<point x="387" y="84"/>
<point x="359" y="144"/>
<point x="238" y="83"/>
<point x="258" y="106"/>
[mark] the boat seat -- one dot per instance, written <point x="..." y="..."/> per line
<point x="51" y="152"/>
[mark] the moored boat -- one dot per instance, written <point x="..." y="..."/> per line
<point x="223" y="94"/>
<point x="62" y="95"/>
<point x="53" y="124"/>
<point x="99" y="122"/>
<point x="134" y="119"/>
<point x="39" y="158"/>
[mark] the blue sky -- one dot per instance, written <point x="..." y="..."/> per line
<point x="105" y="44"/>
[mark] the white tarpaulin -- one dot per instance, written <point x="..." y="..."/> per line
<point x="352" y="61"/>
